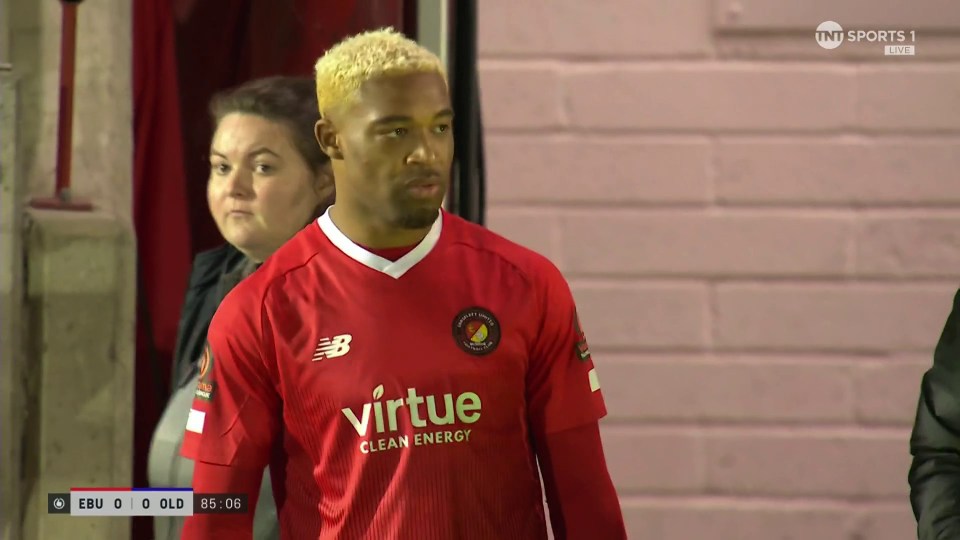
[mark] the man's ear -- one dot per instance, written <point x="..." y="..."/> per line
<point x="327" y="138"/>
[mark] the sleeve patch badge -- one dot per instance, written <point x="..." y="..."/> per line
<point x="594" y="380"/>
<point x="205" y="388"/>
<point x="195" y="421"/>
<point x="581" y="349"/>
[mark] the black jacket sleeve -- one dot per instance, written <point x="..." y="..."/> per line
<point x="199" y="304"/>
<point x="934" y="475"/>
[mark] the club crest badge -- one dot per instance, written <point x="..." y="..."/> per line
<point x="476" y="331"/>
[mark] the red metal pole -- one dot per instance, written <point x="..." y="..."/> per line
<point x="62" y="199"/>
<point x="68" y="56"/>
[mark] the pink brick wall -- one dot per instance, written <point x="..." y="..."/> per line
<point x="763" y="236"/>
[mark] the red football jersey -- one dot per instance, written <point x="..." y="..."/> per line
<point x="410" y="392"/>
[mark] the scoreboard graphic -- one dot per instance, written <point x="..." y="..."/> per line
<point x="144" y="502"/>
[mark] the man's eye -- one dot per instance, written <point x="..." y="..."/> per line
<point x="398" y="132"/>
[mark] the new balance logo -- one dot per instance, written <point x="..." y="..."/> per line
<point x="332" y="348"/>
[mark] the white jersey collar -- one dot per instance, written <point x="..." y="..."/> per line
<point x="394" y="269"/>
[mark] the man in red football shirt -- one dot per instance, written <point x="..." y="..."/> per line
<point x="405" y="373"/>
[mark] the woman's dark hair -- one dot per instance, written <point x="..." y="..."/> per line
<point x="288" y="100"/>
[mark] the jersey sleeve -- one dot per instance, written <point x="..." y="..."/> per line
<point x="563" y="388"/>
<point x="235" y="415"/>
<point x="580" y="494"/>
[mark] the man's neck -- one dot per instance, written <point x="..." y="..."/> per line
<point x="376" y="235"/>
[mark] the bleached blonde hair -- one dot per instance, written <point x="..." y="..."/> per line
<point x="343" y="69"/>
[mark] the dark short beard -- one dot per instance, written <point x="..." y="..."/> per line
<point x="421" y="218"/>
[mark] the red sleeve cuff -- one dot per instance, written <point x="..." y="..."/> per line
<point x="582" y="500"/>
<point x="209" y="478"/>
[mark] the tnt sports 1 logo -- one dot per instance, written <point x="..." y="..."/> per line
<point x="831" y="35"/>
<point x="390" y="417"/>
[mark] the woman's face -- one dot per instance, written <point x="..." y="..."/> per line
<point x="261" y="191"/>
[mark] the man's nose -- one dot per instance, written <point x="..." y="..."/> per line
<point x="424" y="152"/>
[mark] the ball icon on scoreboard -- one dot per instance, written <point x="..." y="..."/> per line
<point x="59" y="503"/>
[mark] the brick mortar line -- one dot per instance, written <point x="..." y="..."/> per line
<point x="772" y="501"/>
<point x="781" y="427"/>
<point x="773" y="208"/>
<point x="900" y="132"/>
<point x="715" y="280"/>
<point x="557" y="62"/>
<point x="770" y="429"/>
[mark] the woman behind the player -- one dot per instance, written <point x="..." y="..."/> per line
<point x="268" y="179"/>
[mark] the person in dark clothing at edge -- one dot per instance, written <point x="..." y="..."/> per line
<point x="268" y="180"/>
<point x="934" y="475"/>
